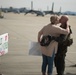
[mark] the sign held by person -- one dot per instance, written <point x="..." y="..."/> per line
<point x="34" y="49"/>
<point x="3" y="44"/>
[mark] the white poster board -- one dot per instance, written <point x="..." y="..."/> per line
<point x="3" y="44"/>
<point x="34" y="49"/>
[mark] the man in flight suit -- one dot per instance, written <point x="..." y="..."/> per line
<point x="62" y="47"/>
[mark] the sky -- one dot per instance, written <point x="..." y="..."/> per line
<point x="66" y="5"/>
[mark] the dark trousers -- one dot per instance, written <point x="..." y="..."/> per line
<point x="47" y="60"/>
<point x="59" y="61"/>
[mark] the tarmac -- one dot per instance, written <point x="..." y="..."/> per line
<point x="23" y="29"/>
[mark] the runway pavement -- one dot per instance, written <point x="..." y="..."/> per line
<point x="23" y="29"/>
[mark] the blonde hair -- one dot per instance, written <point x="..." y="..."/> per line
<point x="53" y="19"/>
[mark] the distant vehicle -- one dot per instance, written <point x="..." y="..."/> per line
<point x="1" y="16"/>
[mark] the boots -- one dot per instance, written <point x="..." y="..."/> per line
<point x="43" y="73"/>
<point x="49" y="74"/>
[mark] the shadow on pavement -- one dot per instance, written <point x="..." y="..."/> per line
<point x="70" y="74"/>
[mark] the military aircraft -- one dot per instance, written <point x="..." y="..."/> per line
<point x="58" y="13"/>
<point x="37" y="12"/>
<point x="51" y="11"/>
